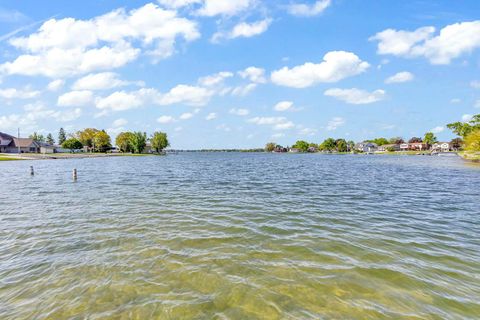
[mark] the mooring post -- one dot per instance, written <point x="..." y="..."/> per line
<point x="74" y="174"/>
<point x="31" y="171"/>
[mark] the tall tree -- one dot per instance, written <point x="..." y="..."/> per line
<point x="301" y="145"/>
<point x="50" y="139"/>
<point x="72" y="144"/>
<point x="328" y="145"/>
<point x="463" y="129"/>
<point x="396" y="140"/>
<point x="472" y="141"/>
<point x="415" y="139"/>
<point x="341" y="145"/>
<point x="86" y="136"/>
<point x="456" y="143"/>
<point x="101" y="141"/>
<point x="269" y="147"/>
<point x="138" y="141"/>
<point x="124" y="141"/>
<point x="62" y="136"/>
<point x="159" y="141"/>
<point x="37" y="137"/>
<point x="429" y="138"/>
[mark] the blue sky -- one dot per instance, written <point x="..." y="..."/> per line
<point x="240" y="73"/>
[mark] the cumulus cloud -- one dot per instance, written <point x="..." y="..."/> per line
<point x="119" y="123"/>
<point x="399" y="77"/>
<point x="254" y="74"/>
<point x="451" y="42"/>
<point x="189" y="95"/>
<point x="119" y="101"/>
<point x="68" y="47"/>
<point x="239" y="112"/>
<point x="308" y="10"/>
<point x="212" y="8"/>
<point x="186" y="116"/>
<point x="283" y="106"/>
<point x="13" y="93"/>
<point x="215" y="79"/>
<point x="437" y="129"/>
<point x="75" y="98"/>
<point x="55" y="85"/>
<point x="99" y="81"/>
<point x="243" y="90"/>
<point x="278" y="123"/>
<point x="244" y="30"/>
<point x="165" y="119"/>
<point x="211" y="116"/>
<point x="334" y="123"/>
<point x="336" y="65"/>
<point x="175" y="4"/>
<point x="356" y="96"/>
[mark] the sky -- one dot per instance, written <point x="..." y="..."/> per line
<point x="240" y="73"/>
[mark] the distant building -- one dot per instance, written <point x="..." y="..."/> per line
<point x="417" y="146"/>
<point x="10" y="144"/>
<point x="388" y="147"/>
<point x="294" y="150"/>
<point x="312" y="149"/>
<point x="366" y="146"/>
<point x="441" y="147"/>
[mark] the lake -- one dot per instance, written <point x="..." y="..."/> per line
<point x="241" y="236"/>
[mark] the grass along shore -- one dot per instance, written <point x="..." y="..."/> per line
<point x="470" y="156"/>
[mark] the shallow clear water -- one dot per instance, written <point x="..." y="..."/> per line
<point x="241" y="236"/>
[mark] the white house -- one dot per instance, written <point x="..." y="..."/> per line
<point x="441" y="147"/>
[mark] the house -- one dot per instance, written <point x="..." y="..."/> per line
<point x="388" y="147"/>
<point x="404" y="146"/>
<point x="417" y="146"/>
<point x="441" y="147"/>
<point x="10" y="144"/>
<point x="46" y="148"/>
<point x="294" y="150"/>
<point x="279" y="149"/>
<point x="312" y="149"/>
<point x="366" y="146"/>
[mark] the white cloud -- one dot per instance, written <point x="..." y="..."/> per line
<point x="68" y="47"/>
<point x="356" y="96"/>
<point x="189" y="95"/>
<point x="55" y="85"/>
<point x="399" y="77"/>
<point x="244" y="90"/>
<point x="186" y="116"/>
<point x="214" y="79"/>
<point x="99" y="81"/>
<point x="308" y="131"/>
<point x="119" y="101"/>
<point x="300" y="9"/>
<point x="212" y="8"/>
<point x="334" y="123"/>
<point x="165" y="119"/>
<point x="239" y="112"/>
<point x="336" y="65"/>
<point x="75" y="98"/>
<point x="437" y="129"/>
<point x="12" y="93"/>
<point x="119" y="123"/>
<point x="211" y="116"/>
<point x="451" y="42"/>
<point x="254" y="74"/>
<point x="175" y="4"/>
<point x="244" y="30"/>
<point x="278" y="123"/>
<point x="467" y="117"/>
<point x="475" y="84"/>
<point x="283" y="106"/>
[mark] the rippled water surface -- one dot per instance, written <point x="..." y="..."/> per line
<point x="241" y="236"/>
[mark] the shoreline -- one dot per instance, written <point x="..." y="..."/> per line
<point x="60" y="156"/>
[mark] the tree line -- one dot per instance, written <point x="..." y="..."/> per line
<point x="96" y="140"/>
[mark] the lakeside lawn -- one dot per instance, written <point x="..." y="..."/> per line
<point x="471" y="156"/>
<point x="8" y="158"/>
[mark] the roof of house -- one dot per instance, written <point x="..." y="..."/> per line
<point x="5" y="139"/>
<point x="24" y="142"/>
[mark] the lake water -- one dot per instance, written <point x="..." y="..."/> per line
<point x="241" y="236"/>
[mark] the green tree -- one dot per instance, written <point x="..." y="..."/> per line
<point x="301" y="145"/>
<point x="50" y="139"/>
<point x="138" y="141"/>
<point x="269" y="147"/>
<point x="456" y="143"/>
<point x="463" y="129"/>
<point x="101" y="141"/>
<point x="159" y="141"/>
<point x="86" y="136"/>
<point x="37" y="137"/>
<point x="72" y="144"/>
<point x="429" y="138"/>
<point x="124" y="141"/>
<point x="379" y="141"/>
<point x="350" y="145"/>
<point x="396" y="140"/>
<point x="415" y="139"/>
<point x="328" y="145"/>
<point x="472" y="141"/>
<point x="341" y="145"/>
<point x="62" y="136"/>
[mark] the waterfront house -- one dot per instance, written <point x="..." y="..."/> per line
<point x="312" y="149"/>
<point x="417" y="146"/>
<point x="279" y="149"/>
<point x="387" y="147"/>
<point x="441" y="147"/>
<point x="10" y="144"/>
<point x="366" y="146"/>
<point x="294" y="150"/>
<point x="404" y="146"/>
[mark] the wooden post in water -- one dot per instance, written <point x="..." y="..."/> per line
<point x="31" y="171"/>
<point x="74" y="175"/>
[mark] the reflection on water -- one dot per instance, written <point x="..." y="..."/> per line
<point x="240" y="236"/>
